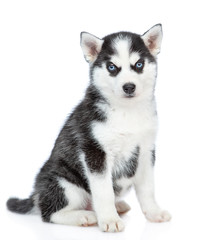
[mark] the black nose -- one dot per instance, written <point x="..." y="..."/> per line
<point x="129" y="88"/>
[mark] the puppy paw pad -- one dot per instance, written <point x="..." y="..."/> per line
<point x="112" y="226"/>
<point x="88" y="220"/>
<point x="158" y="216"/>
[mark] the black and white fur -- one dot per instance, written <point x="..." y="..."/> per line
<point x="107" y="145"/>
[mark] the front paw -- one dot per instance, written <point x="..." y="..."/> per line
<point x="157" y="216"/>
<point x="111" y="225"/>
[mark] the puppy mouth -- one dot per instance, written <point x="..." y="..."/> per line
<point x="130" y="95"/>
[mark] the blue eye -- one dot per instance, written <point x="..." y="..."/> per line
<point x="111" y="68"/>
<point x="139" y="65"/>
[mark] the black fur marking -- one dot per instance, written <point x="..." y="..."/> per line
<point x="95" y="156"/>
<point x="20" y="206"/>
<point x="139" y="46"/>
<point x="107" y="51"/>
<point x="51" y="197"/>
<point x="117" y="189"/>
<point x="73" y="173"/>
<point x="129" y="169"/>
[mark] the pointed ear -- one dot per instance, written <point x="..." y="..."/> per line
<point x="152" y="39"/>
<point x="91" y="46"/>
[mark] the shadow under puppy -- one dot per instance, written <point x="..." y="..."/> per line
<point x="107" y="144"/>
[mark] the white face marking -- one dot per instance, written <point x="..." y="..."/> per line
<point x="112" y="86"/>
<point x="122" y="58"/>
<point x="134" y="57"/>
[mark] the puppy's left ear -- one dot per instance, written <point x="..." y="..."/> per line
<point x="153" y="38"/>
<point x="91" y="46"/>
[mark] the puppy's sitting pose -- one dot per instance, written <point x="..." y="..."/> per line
<point x="107" y="145"/>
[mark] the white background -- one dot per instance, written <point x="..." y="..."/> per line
<point x="43" y="75"/>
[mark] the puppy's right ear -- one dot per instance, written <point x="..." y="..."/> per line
<point x="91" y="46"/>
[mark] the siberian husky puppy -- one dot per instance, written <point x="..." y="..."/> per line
<point x="107" y="145"/>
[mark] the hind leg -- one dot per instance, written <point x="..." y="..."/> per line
<point x="64" y="203"/>
<point x="50" y="198"/>
<point x="74" y="217"/>
<point x="74" y="213"/>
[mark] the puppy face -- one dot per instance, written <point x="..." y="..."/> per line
<point x="123" y="65"/>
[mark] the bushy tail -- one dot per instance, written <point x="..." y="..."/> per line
<point x="19" y="205"/>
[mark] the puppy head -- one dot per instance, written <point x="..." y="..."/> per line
<point x="123" y="65"/>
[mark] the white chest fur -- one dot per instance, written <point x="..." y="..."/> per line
<point x="125" y="129"/>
